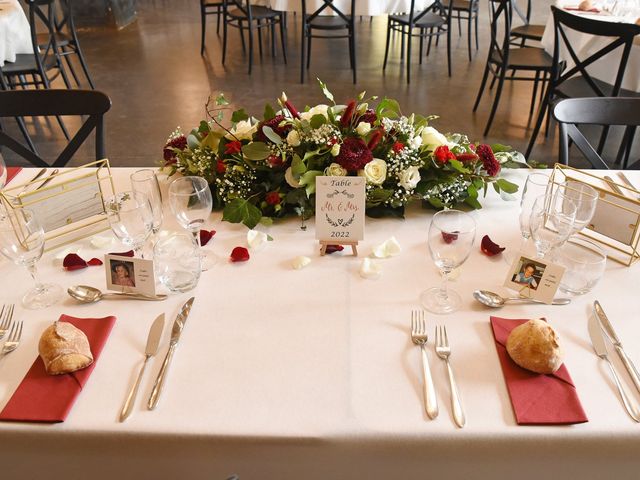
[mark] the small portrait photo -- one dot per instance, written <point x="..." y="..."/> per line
<point x="529" y="273"/>
<point x="122" y="273"/>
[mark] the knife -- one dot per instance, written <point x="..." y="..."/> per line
<point x="176" y="331"/>
<point x="617" y="344"/>
<point x="50" y="177"/>
<point x="597" y="339"/>
<point x="613" y="185"/>
<point x="153" y="340"/>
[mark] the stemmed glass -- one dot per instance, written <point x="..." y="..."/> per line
<point x="22" y="242"/>
<point x="3" y="173"/>
<point x="552" y="221"/>
<point x="191" y="202"/>
<point x="145" y="181"/>
<point x="451" y="236"/>
<point x="131" y="219"/>
<point x="586" y="200"/>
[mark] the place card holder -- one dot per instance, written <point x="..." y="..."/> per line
<point x="616" y="222"/>
<point x="70" y="207"/>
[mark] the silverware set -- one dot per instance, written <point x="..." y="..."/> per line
<point x="420" y="337"/>
<point x="10" y="331"/>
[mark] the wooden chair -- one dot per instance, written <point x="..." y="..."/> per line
<point x="90" y="103"/>
<point x="209" y="8"/>
<point x="327" y="20"/>
<point x="466" y="10"/>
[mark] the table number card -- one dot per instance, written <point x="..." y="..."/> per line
<point x="340" y="210"/>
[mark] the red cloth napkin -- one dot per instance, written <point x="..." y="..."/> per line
<point x="12" y="172"/>
<point x="49" y="398"/>
<point x="578" y="9"/>
<point x="536" y="399"/>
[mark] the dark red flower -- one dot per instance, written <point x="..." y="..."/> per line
<point x="232" y="148"/>
<point x="354" y="154"/>
<point x="274" y="160"/>
<point x="287" y="104"/>
<point x="179" y="142"/>
<point x="491" y="165"/>
<point x="369" y="117"/>
<point x="272" y="198"/>
<point x="274" y="124"/>
<point x="398" y="147"/>
<point x="221" y="167"/>
<point x="333" y="249"/>
<point x="442" y="154"/>
<point x="345" y="119"/>
<point x="467" y="157"/>
<point x="490" y="248"/>
<point x="205" y="236"/>
<point x="239" y="254"/>
<point x="449" y="237"/>
<point x="73" y="261"/>
<point x="375" y="139"/>
<point x="94" y="262"/>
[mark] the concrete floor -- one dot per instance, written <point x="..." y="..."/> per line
<point x="157" y="80"/>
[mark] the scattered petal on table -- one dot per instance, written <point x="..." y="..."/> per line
<point x="256" y="239"/>
<point x="94" y="262"/>
<point x="333" y="248"/>
<point x="239" y="254"/>
<point x="300" y="262"/>
<point x="101" y="242"/>
<point x="73" y="261"/>
<point x="449" y="237"/>
<point x="205" y="236"/>
<point x="490" y="248"/>
<point x="58" y="260"/>
<point x="388" y="248"/>
<point x="370" y="269"/>
<point x="130" y="253"/>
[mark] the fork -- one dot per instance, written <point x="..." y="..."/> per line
<point x="5" y="322"/>
<point x="443" y="350"/>
<point x="13" y="340"/>
<point x="419" y="337"/>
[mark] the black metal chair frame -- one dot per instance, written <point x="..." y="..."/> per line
<point x="246" y="17"/>
<point x="90" y="103"/>
<point x="605" y="111"/>
<point x="436" y="16"/>
<point x="19" y="120"/>
<point x="468" y="12"/>
<point x="327" y="23"/>
<point x="527" y="31"/>
<point x="577" y="81"/>
<point x="209" y="8"/>
<point x="499" y="60"/>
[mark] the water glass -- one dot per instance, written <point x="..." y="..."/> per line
<point x="584" y="262"/>
<point x="177" y="262"/>
<point x="536" y="184"/>
<point x="552" y="221"/>
<point x="145" y="181"/>
<point x="585" y="199"/>
<point x="3" y="172"/>
<point x="131" y="219"/>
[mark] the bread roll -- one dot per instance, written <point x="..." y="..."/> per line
<point x="585" y="5"/>
<point x="64" y="349"/>
<point x="534" y="345"/>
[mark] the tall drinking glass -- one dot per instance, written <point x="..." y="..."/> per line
<point x="451" y="236"/>
<point x="3" y="173"/>
<point x="191" y="202"/>
<point x="552" y="221"/>
<point x="131" y="219"/>
<point x="145" y="181"/>
<point x="22" y="242"/>
<point x="585" y="199"/>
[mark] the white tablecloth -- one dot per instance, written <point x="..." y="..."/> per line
<point x="15" y="34"/>
<point x="310" y="374"/>
<point x="363" y="7"/>
<point x="606" y="68"/>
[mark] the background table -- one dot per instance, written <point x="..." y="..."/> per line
<point x="15" y="34"/>
<point x="606" y="68"/>
<point x="363" y="7"/>
<point x="311" y="374"/>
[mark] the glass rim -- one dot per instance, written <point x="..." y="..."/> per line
<point x="142" y="175"/>
<point x="535" y="175"/>
<point x="465" y="215"/>
<point x="199" y="185"/>
<point x="584" y="188"/>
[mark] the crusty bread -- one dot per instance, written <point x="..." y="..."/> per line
<point x="585" y="5"/>
<point x="64" y="349"/>
<point x="534" y="345"/>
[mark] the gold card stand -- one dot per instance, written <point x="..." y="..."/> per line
<point x="616" y="221"/>
<point x="70" y="207"/>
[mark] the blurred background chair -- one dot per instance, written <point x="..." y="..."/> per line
<point x="466" y="10"/>
<point x="527" y="31"/>
<point x="206" y="9"/>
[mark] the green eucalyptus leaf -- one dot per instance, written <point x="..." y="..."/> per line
<point x="388" y="108"/>
<point x="269" y="112"/>
<point x="256" y="151"/>
<point x="498" y="147"/>
<point x="473" y="202"/>
<point x="317" y="121"/>
<point x="506" y="185"/>
<point x="242" y="211"/>
<point x="271" y="135"/>
<point x="326" y="91"/>
<point x="297" y="166"/>
<point x="458" y="166"/>
<point x="192" y="141"/>
<point x="239" y="115"/>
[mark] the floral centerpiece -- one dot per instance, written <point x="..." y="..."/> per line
<point x="264" y="169"/>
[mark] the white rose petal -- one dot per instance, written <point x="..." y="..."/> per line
<point x="409" y="178"/>
<point x="335" y="170"/>
<point x="363" y="128"/>
<point x="243" y="130"/>
<point x="415" y="142"/>
<point x="370" y="269"/>
<point x="335" y="150"/>
<point x="256" y="239"/>
<point x="293" y="138"/>
<point x="317" y="110"/>
<point x="101" y="242"/>
<point x="375" y="171"/>
<point x="389" y="248"/>
<point x="433" y="138"/>
<point x="300" y="262"/>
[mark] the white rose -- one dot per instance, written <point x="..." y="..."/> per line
<point x="375" y="171"/>
<point x="288" y="176"/>
<point x="293" y="138"/>
<point x="335" y="150"/>
<point x="409" y="178"/>
<point x="243" y="130"/>
<point x="415" y="142"/>
<point x="317" y="110"/>
<point x="335" y="170"/>
<point x="363" y="128"/>
<point x="433" y="138"/>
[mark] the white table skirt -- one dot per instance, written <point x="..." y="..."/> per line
<point x="311" y="374"/>
<point x="15" y="34"/>
<point x="585" y="45"/>
<point x="363" y="7"/>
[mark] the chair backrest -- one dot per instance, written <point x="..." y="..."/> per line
<point x="501" y="17"/>
<point x="40" y="103"/>
<point x="621" y="35"/>
<point x="524" y="16"/>
<point x="604" y="111"/>
<point x="436" y="7"/>
<point x="329" y="8"/>
<point x="243" y="5"/>
<point x="42" y="19"/>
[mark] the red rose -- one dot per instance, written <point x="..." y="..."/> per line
<point x="221" y="167"/>
<point x="232" y="148"/>
<point x="491" y="165"/>
<point x="345" y="120"/>
<point x="442" y="154"/>
<point x="354" y="154"/>
<point x="398" y="147"/>
<point x="272" y="198"/>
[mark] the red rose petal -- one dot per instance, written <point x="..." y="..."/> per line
<point x="239" y="254"/>
<point x="205" y="236"/>
<point x="333" y="248"/>
<point x="449" y="237"/>
<point x="94" y="262"/>
<point x="73" y="262"/>
<point x="490" y="248"/>
<point x="130" y="253"/>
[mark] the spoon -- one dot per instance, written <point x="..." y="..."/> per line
<point x="492" y="299"/>
<point x="87" y="294"/>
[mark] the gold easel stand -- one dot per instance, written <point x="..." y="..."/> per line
<point x="324" y="245"/>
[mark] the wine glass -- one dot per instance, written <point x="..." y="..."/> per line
<point x="451" y="236"/>
<point x="131" y="219"/>
<point x="552" y="221"/>
<point x="22" y="242"/>
<point x="191" y="202"/>
<point x="146" y="181"/>
<point x="585" y="199"/>
<point x="3" y="173"/>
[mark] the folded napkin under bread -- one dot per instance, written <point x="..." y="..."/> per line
<point x="537" y="399"/>
<point x="48" y="398"/>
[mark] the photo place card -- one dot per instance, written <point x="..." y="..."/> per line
<point x="130" y="275"/>
<point x="534" y="278"/>
<point x="340" y="209"/>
